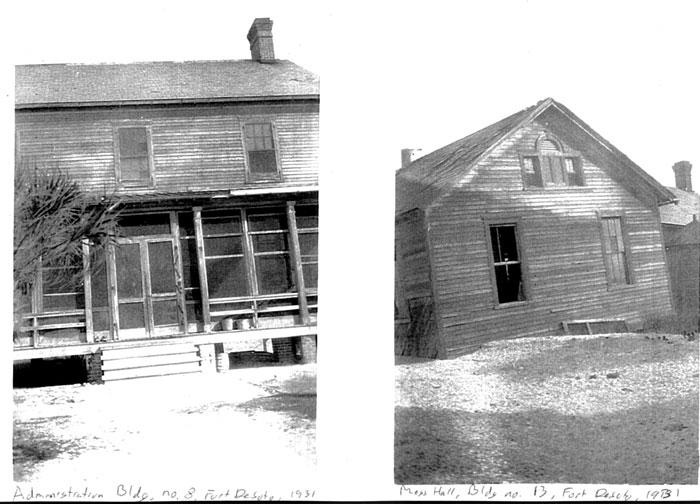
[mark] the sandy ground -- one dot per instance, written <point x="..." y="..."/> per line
<point x="247" y="426"/>
<point x="602" y="409"/>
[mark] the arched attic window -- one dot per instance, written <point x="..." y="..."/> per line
<point x="550" y="166"/>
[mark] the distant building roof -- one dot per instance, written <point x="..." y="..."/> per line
<point x="63" y="85"/>
<point x="681" y="213"/>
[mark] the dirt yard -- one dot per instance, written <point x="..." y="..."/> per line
<point x="587" y="409"/>
<point x="244" y="426"/>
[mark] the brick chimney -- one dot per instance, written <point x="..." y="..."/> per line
<point x="409" y="155"/>
<point x="260" y="37"/>
<point x="682" y="171"/>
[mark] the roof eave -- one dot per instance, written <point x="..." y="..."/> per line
<point x="664" y="196"/>
<point x="178" y="101"/>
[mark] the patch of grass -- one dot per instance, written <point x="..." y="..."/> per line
<point x="670" y="323"/>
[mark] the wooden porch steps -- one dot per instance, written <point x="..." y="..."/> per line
<point x="152" y="360"/>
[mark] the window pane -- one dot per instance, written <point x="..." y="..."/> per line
<point x="128" y="271"/>
<point x="509" y="284"/>
<point x="227" y="277"/>
<point x="100" y="320"/>
<point x="186" y="223"/>
<point x="134" y="169"/>
<point x="274" y="274"/>
<point x="133" y="142"/>
<point x="262" y="161"/>
<point x="59" y="302"/>
<point x="165" y="313"/>
<point x="98" y="277"/>
<point x="131" y="315"/>
<point x="267" y="220"/>
<point x="162" y="267"/>
<point x="307" y="216"/>
<point x="270" y="242"/>
<point x="61" y="280"/>
<point x="213" y="224"/>
<point x="144" y="225"/>
<point x="228" y="245"/>
<point x="504" y="244"/>
<point x="308" y="244"/>
<point x="310" y="275"/>
<point x="190" y="269"/>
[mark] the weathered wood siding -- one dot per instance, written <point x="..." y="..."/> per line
<point x="561" y="251"/>
<point x="193" y="148"/>
<point x="412" y="260"/>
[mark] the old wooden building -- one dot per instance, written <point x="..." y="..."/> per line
<point x="681" y="231"/>
<point x="215" y="165"/>
<point x="531" y="226"/>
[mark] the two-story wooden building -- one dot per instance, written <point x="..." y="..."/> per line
<point x="531" y="226"/>
<point x="215" y="165"/>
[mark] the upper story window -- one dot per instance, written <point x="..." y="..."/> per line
<point x="550" y="166"/>
<point x="261" y="150"/>
<point x="134" y="155"/>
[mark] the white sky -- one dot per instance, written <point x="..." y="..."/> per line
<point x="395" y="75"/>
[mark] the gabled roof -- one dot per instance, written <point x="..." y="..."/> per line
<point x="426" y="178"/>
<point x="61" y="85"/>
<point x="682" y="212"/>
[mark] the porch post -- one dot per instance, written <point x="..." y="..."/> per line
<point x="202" y="267"/>
<point x="296" y="261"/>
<point x="87" y="292"/>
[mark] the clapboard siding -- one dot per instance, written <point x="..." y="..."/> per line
<point x="561" y="250"/>
<point x="412" y="259"/>
<point x="192" y="149"/>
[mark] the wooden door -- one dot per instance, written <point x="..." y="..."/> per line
<point x="147" y="291"/>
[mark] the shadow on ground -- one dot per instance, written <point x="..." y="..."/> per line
<point x="655" y="444"/>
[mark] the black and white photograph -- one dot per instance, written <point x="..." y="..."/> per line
<point x="165" y="269"/>
<point x="209" y="259"/>
<point x="547" y="250"/>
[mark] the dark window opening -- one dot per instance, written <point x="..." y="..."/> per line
<point x="506" y="262"/>
<point x="550" y="167"/>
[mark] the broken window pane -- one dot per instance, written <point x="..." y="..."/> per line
<point x="504" y="245"/>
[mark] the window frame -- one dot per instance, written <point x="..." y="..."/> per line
<point x="516" y="222"/>
<point x="538" y="156"/>
<point x="251" y="176"/>
<point x="151" y="180"/>
<point x="629" y="263"/>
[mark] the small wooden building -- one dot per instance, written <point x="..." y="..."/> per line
<point x="681" y="231"/>
<point x="215" y="164"/>
<point x="521" y="228"/>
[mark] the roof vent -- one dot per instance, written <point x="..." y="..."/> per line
<point x="260" y="37"/>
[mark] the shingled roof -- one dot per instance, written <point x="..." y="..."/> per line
<point x="426" y="178"/>
<point x="681" y="213"/>
<point x="61" y="85"/>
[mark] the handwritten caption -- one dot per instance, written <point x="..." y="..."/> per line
<point x="539" y="492"/>
<point x="139" y="493"/>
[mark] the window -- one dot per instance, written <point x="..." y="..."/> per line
<point x="134" y="163"/>
<point x="62" y="287"/>
<point x="615" y="252"/>
<point x="506" y="263"/>
<point x="307" y="226"/>
<point x="551" y="167"/>
<point x="260" y="147"/>
<point x="269" y="236"/>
